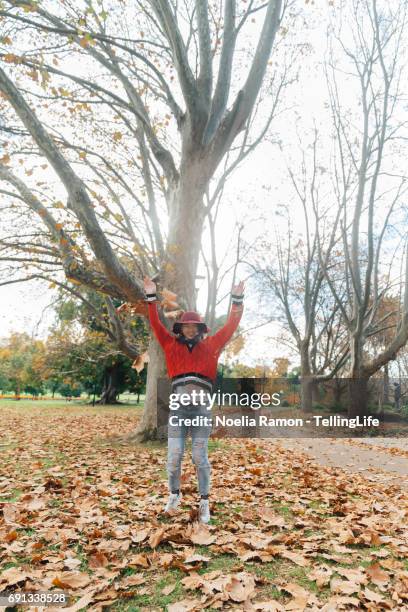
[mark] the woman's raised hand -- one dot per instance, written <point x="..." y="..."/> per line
<point x="238" y="289"/>
<point x="149" y="285"/>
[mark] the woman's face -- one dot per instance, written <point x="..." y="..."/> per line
<point x="189" y="330"/>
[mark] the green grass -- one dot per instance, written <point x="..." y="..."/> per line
<point x="14" y="495"/>
<point x="218" y="444"/>
<point x="223" y="562"/>
<point x="26" y="530"/>
<point x="155" y="599"/>
<point x="283" y="509"/>
<point x="55" y="503"/>
<point x="59" y="404"/>
<point x="83" y="558"/>
<point x="9" y="564"/>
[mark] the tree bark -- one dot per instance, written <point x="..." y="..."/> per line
<point x="147" y="428"/>
<point x="358" y="382"/>
<point x="338" y="390"/>
<point x="358" y="397"/>
<point x="307" y="384"/>
<point x="386" y="387"/>
<point x="110" y="385"/>
<point x="307" y="380"/>
<point x="179" y="269"/>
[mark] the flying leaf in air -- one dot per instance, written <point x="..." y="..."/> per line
<point x="169" y="300"/>
<point x="139" y="362"/>
<point x="173" y="314"/>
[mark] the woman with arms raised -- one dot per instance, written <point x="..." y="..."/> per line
<point x="191" y="363"/>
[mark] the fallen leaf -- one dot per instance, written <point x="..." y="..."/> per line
<point x="241" y="587"/>
<point x="139" y="536"/>
<point x="186" y="605"/>
<point x="71" y="580"/>
<point x="99" y="559"/>
<point x="81" y="603"/>
<point x="200" y="534"/>
<point x="196" y="557"/>
<point x="157" y="537"/>
<point x="139" y="559"/>
<point x="296" y="558"/>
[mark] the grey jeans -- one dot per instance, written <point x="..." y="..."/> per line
<point x="178" y="431"/>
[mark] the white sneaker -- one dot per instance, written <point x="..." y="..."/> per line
<point x="174" y="502"/>
<point x="204" y="511"/>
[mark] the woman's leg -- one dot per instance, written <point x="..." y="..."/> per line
<point x="200" y="436"/>
<point x="202" y="465"/>
<point x="175" y="450"/>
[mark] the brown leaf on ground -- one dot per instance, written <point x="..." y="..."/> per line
<point x="297" y="558"/>
<point x="340" y="602"/>
<point x="11" y="536"/>
<point x="185" y="605"/>
<point x="377" y="575"/>
<point x="196" y="557"/>
<point x="299" y="594"/>
<point x="132" y="580"/>
<point x="199" y="533"/>
<point x="156" y="537"/>
<point x="71" y="580"/>
<point x="98" y="560"/>
<point x="11" y="514"/>
<point x="139" y="536"/>
<point x="240" y="587"/>
<point x="82" y="602"/>
<point x="346" y="587"/>
<point x="193" y="581"/>
<point x="13" y="575"/>
<point x="252" y="555"/>
<point x="266" y="606"/>
<point x="139" y="559"/>
<point x="321" y="575"/>
<point x="372" y="596"/>
<point x="356" y="575"/>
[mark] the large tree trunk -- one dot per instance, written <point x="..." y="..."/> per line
<point x="338" y="390"/>
<point x="307" y="380"/>
<point x="358" y="382"/>
<point x="386" y="388"/>
<point x="358" y="397"/>
<point x="178" y="271"/>
<point x="307" y="384"/>
<point x="147" y="428"/>
<point x="110" y="385"/>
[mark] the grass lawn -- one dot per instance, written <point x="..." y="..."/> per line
<point x="81" y="511"/>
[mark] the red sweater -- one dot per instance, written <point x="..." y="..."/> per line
<point x="203" y="358"/>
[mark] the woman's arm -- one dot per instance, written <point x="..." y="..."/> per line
<point x="223" y="335"/>
<point x="160" y="331"/>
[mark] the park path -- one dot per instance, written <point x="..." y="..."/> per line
<point x="382" y="462"/>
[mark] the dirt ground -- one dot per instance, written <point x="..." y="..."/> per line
<point x="383" y="460"/>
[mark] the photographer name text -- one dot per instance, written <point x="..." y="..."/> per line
<point x="265" y="421"/>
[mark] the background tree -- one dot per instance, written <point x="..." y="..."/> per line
<point x="371" y="185"/>
<point x="82" y="349"/>
<point x="290" y="276"/>
<point x="174" y="93"/>
<point x="22" y="363"/>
